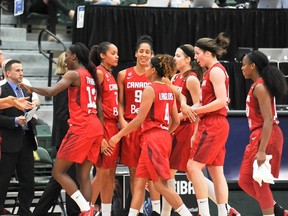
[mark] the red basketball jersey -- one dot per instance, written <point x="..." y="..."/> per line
<point x="208" y="94"/>
<point x="134" y="85"/>
<point x="82" y="99"/>
<point x="253" y="112"/>
<point x="180" y="82"/>
<point x="160" y="112"/>
<point x="109" y="95"/>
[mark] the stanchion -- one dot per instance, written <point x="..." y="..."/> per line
<point x="50" y="73"/>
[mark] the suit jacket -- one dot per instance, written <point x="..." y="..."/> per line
<point x="12" y="137"/>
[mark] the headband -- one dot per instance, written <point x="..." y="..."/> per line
<point x="187" y="51"/>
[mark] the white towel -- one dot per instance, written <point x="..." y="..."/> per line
<point x="263" y="173"/>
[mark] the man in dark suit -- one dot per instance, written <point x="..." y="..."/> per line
<point x="18" y="143"/>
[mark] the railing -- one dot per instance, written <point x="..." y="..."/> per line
<point x="49" y="54"/>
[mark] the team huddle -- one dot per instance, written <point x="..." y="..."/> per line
<point x="163" y="115"/>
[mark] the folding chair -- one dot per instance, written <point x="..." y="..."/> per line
<point x="44" y="138"/>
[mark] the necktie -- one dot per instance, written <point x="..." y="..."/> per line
<point x="19" y="93"/>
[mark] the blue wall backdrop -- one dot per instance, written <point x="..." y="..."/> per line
<point x="239" y="138"/>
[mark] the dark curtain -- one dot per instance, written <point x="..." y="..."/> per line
<point x="171" y="27"/>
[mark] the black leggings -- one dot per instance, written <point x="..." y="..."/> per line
<point x="38" y="6"/>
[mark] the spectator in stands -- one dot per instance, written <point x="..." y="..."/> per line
<point x="151" y="3"/>
<point x="180" y="3"/>
<point x="106" y="2"/>
<point x="241" y="1"/>
<point x="49" y="7"/>
<point x="18" y="143"/>
<point x="59" y="129"/>
<point x="194" y="3"/>
<point x="273" y="4"/>
<point x="284" y="4"/>
<point x="222" y="3"/>
<point x="266" y="136"/>
<point x="132" y="2"/>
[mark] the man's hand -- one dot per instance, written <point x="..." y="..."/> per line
<point x="20" y="103"/>
<point x="21" y="120"/>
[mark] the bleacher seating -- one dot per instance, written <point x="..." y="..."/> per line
<point x="35" y="19"/>
<point x="276" y="54"/>
<point x="44" y="138"/>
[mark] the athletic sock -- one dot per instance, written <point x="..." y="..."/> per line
<point x="183" y="211"/>
<point x="222" y="210"/>
<point x="141" y="209"/>
<point x="133" y="212"/>
<point x="106" y="209"/>
<point x="211" y="190"/>
<point x="166" y="207"/>
<point x="156" y="206"/>
<point x="81" y="201"/>
<point x="203" y="206"/>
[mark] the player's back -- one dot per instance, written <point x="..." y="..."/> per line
<point x="160" y="112"/>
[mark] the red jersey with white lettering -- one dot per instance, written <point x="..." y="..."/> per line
<point x="160" y="112"/>
<point x="83" y="139"/>
<point x="180" y="82"/>
<point x="82" y="102"/>
<point x="253" y="113"/>
<point x="134" y="85"/>
<point x="181" y="139"/>
<point x="208" y="94"/>
<point x="109" y="95"/>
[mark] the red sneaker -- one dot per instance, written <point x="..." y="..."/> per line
<point x="233" y="212"/>
<point x="285" y="212"/>
<point x="91" y="212"/>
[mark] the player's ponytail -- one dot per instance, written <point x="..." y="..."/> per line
<point x="216" y="46"/>
<point x="82" y="53"/>
<point x="273" y="78"/>
<point x="96" y="51"/>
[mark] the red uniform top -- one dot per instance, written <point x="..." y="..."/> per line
<point x="208" y="94"/>
<point x="134" y="86"/>
<point x="160" y="112"/>
<point x="109" y="95"/>
<point x="82" y="100"/>
<point x="255" y="119"/>
<point x="180" y="82"/>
